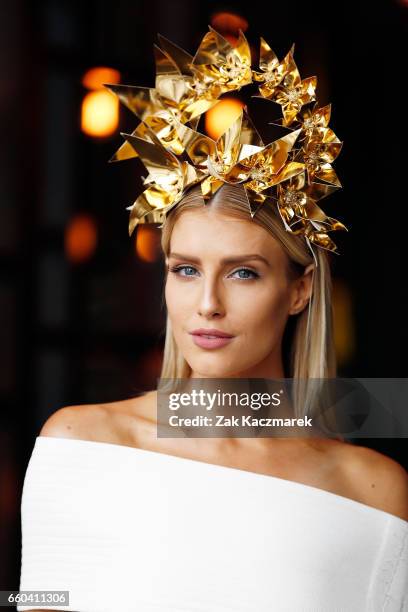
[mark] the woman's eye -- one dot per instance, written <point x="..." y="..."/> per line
<point x="246" y="272"/>
<point x="178" y="270"/>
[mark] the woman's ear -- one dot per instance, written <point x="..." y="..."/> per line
<point x="302" y="290"/>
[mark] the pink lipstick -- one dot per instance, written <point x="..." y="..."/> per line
<point x="210" y="338"/>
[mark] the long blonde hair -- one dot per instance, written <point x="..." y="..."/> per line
<point x="308" y="346"/>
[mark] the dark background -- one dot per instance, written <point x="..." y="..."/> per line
<point x="75" y="332"/>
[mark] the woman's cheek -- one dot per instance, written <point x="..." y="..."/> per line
<point x="268" y="317"/>
<point x="174" y="301"/>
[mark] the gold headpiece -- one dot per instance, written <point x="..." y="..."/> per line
<point x="177" y="156"/>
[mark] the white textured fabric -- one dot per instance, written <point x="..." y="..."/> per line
<point x="132" y="530"/>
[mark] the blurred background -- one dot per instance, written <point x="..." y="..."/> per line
<point x="81" y="314"/>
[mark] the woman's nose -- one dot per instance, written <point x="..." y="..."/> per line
<point x="210" y="301"/>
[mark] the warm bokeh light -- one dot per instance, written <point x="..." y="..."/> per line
<point x="80" y="238"/>
<point x="94" y="78"/>
<point x="344" y="334"/>
<point x="225" y="22"/>
<point x="99" y="113"/>
<point x="147" y="242"/>
<point x="219" y="118"/>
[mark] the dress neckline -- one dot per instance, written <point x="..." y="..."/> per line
<point x="283" y="481"/>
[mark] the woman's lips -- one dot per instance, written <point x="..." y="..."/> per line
<point x="210" y="343"/>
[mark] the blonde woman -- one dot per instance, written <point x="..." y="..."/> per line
<point x="118" y="517"/>
<point x="125" y="520"/>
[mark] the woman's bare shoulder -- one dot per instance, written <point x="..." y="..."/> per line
<point x="377" y="479"/>
<point x="99" y="422"/>
<point x="74" y="421"/>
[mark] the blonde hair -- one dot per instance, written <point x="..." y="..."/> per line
<point x="308" y="347"/>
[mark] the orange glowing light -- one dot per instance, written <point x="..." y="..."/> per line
<point x="228" y="22"/>
<point x="94" y="78"/>
<point x="80" y="238"/>
<point x="147" y="243"/>
<point x="99" y="113"/>
<point x="219" y="118"/>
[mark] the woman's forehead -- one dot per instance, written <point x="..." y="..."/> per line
<point x="196" y="230"/>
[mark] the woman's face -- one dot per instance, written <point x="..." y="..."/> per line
<point x="229" y="275"/>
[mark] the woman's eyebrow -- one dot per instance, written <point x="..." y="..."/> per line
<point x="226" y="260"/>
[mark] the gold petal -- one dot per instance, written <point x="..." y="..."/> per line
<point x="197" y="146"/>
<point x="191" y="174"/>
<point x="329" y="224"/>
<point x="140" y="100"/>
<point x="182" y="58"/>
<point x="289" y="218"/>
<point x="221" y="66"/>
<point x="212" y="49"/>
<point x="267" y="90"/>
<point x="289" y="170"/>
<point x="165" y="65"/>
<point x="159" y="198"/>
<point x="267" y="58"/>
<point x="336" y="224"/>
<point x="323" y="115"/>
<point x="249" y="133"/>
<point x="318" y="191"/>
<point x="228" y="144"/>
<point x="206" y="187"/>
<point x="323" y="241"/>
<point x="314" y="212"/>
<point x="174" y="89"/>
<point x="125" y="151"/>
<point x="196" y="109"/>
<point x="137" y="211"/>
<point x="156" y="216"/>
<point x="326" y="173"/>
<point x="153" y="155"/>
<point x="274" y="155"/>
<point x="210" y="186"/>
<point x="219" y="174"/>
<point x="292" y="76"/>
<point x="309" y="89"/>
<point x="298" y="182"/>
<point x="328" y="135"/>
<point x="242" y="48"/>
<point x="331" y="151"/>
<point x="255" y="200"/>
<point x="286" y="71"/>
<point x="165" y="132"/>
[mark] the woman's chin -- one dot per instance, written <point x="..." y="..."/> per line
<point x="213" y="370"/>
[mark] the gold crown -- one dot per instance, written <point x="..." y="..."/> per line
<point x="177" y="156"/>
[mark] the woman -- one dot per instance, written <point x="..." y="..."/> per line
<point x="124" y="519"/>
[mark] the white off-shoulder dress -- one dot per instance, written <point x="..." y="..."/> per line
<point x="131" y="530"/>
